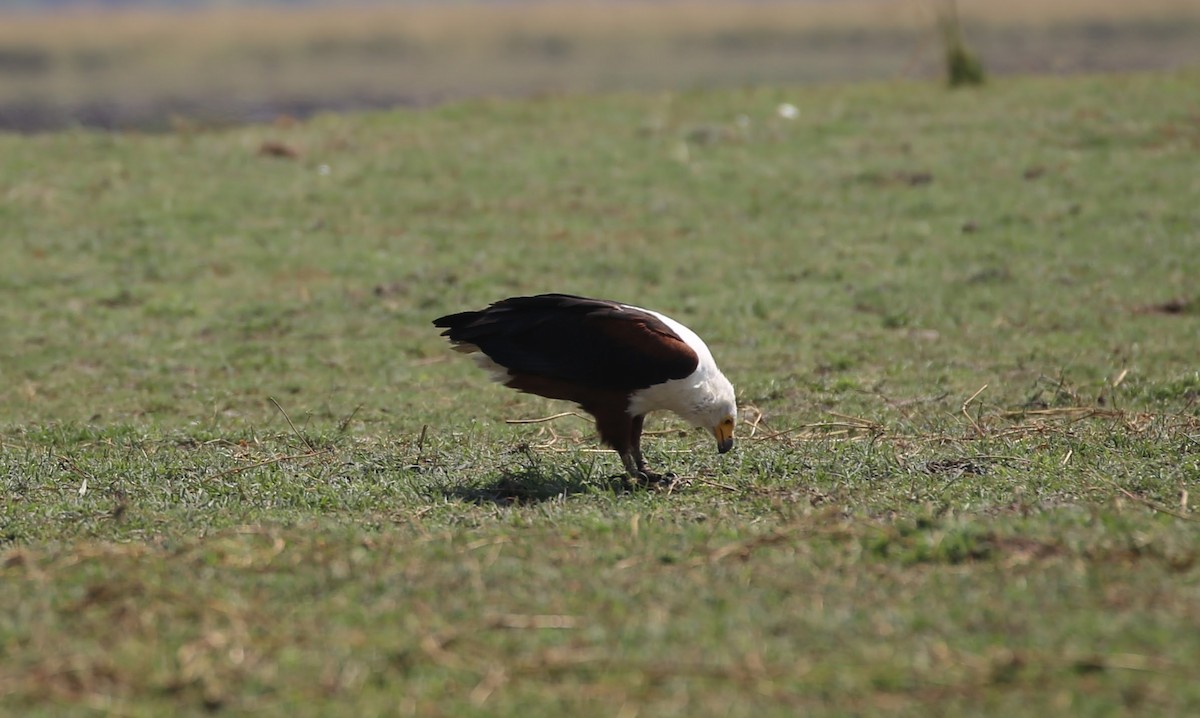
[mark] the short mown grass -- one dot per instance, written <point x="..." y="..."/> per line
<point x="242" y="472"/>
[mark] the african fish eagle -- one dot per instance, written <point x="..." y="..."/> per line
<point x="616" y="361"/>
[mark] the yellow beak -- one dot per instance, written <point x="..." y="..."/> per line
<point x="724" y="435"/>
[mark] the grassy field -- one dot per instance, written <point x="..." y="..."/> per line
<point x="241" y="471"/>
<point x="228" y="63"/>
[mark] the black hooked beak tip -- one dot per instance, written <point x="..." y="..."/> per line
<point x="723" y="433"/>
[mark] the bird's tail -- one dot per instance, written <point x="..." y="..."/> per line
<point x="455" y="326"/>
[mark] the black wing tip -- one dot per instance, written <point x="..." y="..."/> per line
<point x="451" y="322"/>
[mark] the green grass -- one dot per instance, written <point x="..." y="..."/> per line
<point x="964" y="324"/>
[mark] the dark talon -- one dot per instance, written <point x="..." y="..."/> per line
<point x="650" y="477"/>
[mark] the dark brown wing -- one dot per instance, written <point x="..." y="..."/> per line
<point x="594" y="342"/>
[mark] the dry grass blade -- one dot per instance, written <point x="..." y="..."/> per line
<point x="1064" y="412"/>
<point x="544" y="419"/>
<point x="421" y="445"/>
<point x="345" y="423"/>
<point x="758" y="418"/>
<point x="492" y="680"/>
<point x="967" y="403"/>
<point x="715" y="484"/>
<point x="825" y="429"/>
<point x="296" y="431"/>
<point x="522" y="621"/>
<point x="267" y="462"/>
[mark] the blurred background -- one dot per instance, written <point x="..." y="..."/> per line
<point x="157" y="65"/>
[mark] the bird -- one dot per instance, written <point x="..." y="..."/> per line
<point x="617" y="361"/>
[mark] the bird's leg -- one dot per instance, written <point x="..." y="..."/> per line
<point x="615" y="429"/>
<point x="631" y="467"/>
<point x="635" y="447"/>
<point x="624" y="433"/>
<point x="635" y="442"/>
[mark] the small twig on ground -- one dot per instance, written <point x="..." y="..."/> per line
<point x="866" y="423"/>
<point x="967" y="414"/>
<point x="548" y="429"/>
<point x="522" y="621"/>
<point x="545" y="418"/>
<point x="266" y="462"/>
<point x="758" y="418"/>
<point x="1071" y="412"/>
<point x="491" y="681"/>
<point x="716" y="484"/>
<point x="294" y="430"/>
<point x="844" y="426"/>
<point x="663" y="432"/>
<point x="419" y="513"/>
<point x="421" y="445"/>
<point x="346" y="422"/>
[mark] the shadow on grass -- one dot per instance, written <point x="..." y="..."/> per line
<point x="535" y="485"/>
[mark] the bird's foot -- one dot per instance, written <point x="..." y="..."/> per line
<point x="646" y="476"/>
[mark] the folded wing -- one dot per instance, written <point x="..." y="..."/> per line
<point x="598" y="343"/>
